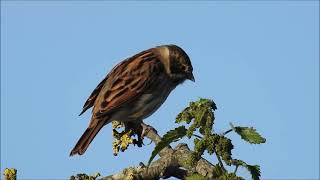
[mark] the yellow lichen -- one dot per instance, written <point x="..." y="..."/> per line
<point x="129" y="172"/>
<point x="117" y="124"/>
<point x="126" y="140"/>
<point x="123" y="137"/>
<point x="10" y="174"/>
<point x="121" y="140"/>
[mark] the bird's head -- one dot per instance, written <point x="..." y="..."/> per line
<point x="178" y="65"/>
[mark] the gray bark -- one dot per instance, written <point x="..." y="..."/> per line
<point x="172" y="163"/>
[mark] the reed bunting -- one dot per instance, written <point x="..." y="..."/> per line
<point x="135" y="89"/>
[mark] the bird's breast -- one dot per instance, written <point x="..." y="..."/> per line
<point x="147" y="103"/>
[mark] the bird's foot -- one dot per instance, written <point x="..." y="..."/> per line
<point x="145" y="129"/>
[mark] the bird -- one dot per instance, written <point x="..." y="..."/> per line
<point x="134" y="89"/>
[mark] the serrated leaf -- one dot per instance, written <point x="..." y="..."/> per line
<point x="184" y="116"/>
<point x="223" y="148"/>
<point x="253" y="169"/>
<point x="168" y="138"/>
<point x="249" y="134"/>
<point x="238" y="162"/>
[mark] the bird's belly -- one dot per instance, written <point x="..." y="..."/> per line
<point x="141" y="109"/>
<point x="147" y="105"/>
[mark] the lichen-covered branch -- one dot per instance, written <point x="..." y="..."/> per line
<point x="10" y="174"/>
<point x="172" y="163"/>
<point x="180" y="161"/>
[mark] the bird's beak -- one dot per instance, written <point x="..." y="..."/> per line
<point x="191" y="77"/>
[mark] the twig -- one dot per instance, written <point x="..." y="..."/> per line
<point x="220" y="162"/>
<point x="195" y="135"/>
<point x="223" y="134"/>
<point x="235" y="170"/>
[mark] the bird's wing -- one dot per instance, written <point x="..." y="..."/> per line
<point x="127" y="82"/>
<point x="93" y="96"/>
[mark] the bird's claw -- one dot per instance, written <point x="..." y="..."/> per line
<point x="145" y="129"/>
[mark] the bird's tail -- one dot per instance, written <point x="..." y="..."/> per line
<point x="86" y="138"/>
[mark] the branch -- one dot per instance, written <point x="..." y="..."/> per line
<point x="172" y="163"/>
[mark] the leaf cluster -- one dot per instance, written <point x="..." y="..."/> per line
<point x="200" y="117"/>
<point x="253" y="169"/>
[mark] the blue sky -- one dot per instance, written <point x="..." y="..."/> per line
<point x="259" y="61"/>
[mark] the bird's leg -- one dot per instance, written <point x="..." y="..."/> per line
<point x="127" y="126"/>
<point x="139" y="128"/>
<point x="145" y="129"/>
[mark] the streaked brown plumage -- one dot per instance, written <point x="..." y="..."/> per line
<point x="134" y="89"/>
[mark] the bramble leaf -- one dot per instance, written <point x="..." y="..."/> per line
<point x="223" y="148"/>
<point x="249" y="134"/>
<point x="201" y="113"/>
<point x="168" y="138"/>
<point x="253" y="169"/>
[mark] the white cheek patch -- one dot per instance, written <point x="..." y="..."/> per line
<point x="165" y="53"/>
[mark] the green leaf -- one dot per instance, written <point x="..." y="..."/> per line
<point x="249" y="134"/>
<point x="223" y="147"/>
<point x="185" y="116"/>
<point x="168" y="138"/>
<point x="206" y="102"/>
<point x="196" y="176"/>
<point x="253" y="169"/>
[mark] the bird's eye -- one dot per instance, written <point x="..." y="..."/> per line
<point x="184" y="68"/>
